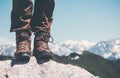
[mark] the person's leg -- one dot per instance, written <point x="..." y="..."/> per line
<point x="21" y="15"/>
<point x="43" y="14"/>
<point x="20" y="24"/>
<point x="41" y="24"/>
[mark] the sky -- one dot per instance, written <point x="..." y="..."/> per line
<point x="91" y="20"/>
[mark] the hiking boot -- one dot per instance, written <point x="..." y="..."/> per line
<point x="23" y="45"/>
<point x="41" y="49"/>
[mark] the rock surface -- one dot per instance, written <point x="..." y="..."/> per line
<point x="50" y="69"/>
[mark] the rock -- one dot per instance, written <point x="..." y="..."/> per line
<point x="50" y="69"/>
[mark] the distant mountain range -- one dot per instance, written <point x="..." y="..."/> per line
<point x="108" y="49"/>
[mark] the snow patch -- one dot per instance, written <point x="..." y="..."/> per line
<point x="75" y="58"/>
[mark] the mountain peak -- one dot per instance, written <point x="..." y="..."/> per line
<point x="108" y="49"/>
<point x="50" y="69"/>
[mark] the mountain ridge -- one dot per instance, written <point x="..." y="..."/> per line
<point x="107" y="49"/>
<point x="95" y="64"/>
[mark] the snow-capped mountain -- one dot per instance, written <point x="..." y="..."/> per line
<point x="7" y="47"/>
<point x="70" y="46"/>
<point x="7" y="50"/>
<point x="108" y="49"/>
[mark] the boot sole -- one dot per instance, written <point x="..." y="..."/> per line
<point x="22" y="56"/>
<point x="43" y="55"/>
